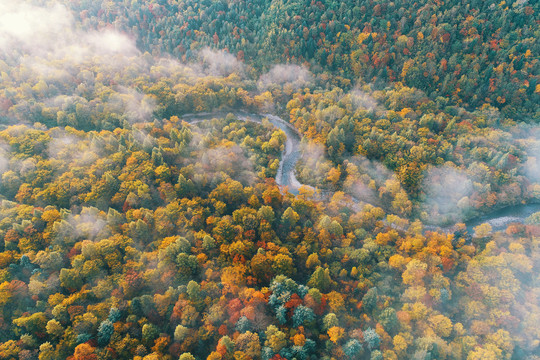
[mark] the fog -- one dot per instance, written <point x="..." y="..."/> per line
<point x="446" y="194"/>
<point x="294" y="76"/>
<point x="50" y="33"/>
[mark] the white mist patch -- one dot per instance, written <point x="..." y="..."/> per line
<point x="97" y="46"/>
<point x="361" y="100"/>
<point x="143" y="138"/>
<point x="39" y="37"/>
<point x="136" y="106"/>
<point x="70" y="149"/>
<point x="65" y="101"/>
<point x="362" y="192"/>
<point x="90" y="224"/>
<point x="374" y="169"/>
<point x="215" y="165"/>
<point x="61" y="145"/>
<point x="283" y="75"/>
<point x="447" y="192"/>
<point x="314" y="164"/>
<point x="531" y="145"/>
<point x="4" y="159"/>
<point x="27" y="166"/>
<point x="532" y="168"/>
<point x="45" y="71"/>
<point x="32" y="28"/>
<point x="111" y="42"/>
<point x="172" y="68"/>
<point x="361" y="172"/>
<point x="219" y="62"/>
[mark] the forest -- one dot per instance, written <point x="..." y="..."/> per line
<point x="143" y="213"/>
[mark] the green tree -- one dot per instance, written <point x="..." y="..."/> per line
<point x="320" y="279"/>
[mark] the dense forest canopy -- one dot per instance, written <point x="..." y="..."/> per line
<point x="133" y="228"/>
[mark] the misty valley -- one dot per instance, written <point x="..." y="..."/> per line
<point x="266" y="180"/>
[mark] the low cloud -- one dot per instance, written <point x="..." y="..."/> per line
<point x="219" y="63"/>
<point x="136" y="106"/>
<point x="215" y="164"/>
<point x="50" y="33"/>
<point x="532" y="169"/>
<point x="72" y="150"/>
<point x="4" y="159"/>
<point x="361" y="100"/>
<point x="530" y="142"/>
<point x="61" y="145"/>
<point x="362" y="192"/>
<point x="374" y="169"/>
<point x="447" y="192"/>
<point x="90" y="224"/>
<point x="314" y="165"/>
<point x="285" y="75"/>
<point x="360" y="173"/>
<point x="32" y="29"/>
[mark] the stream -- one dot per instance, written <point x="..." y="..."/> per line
<point x="286" y="177"/>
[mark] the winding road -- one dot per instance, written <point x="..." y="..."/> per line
<point x="286" y="177"/>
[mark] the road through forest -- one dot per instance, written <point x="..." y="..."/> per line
<point x="286" y="174"/>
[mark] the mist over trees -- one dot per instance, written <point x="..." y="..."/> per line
<point x="140" y="216"/>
